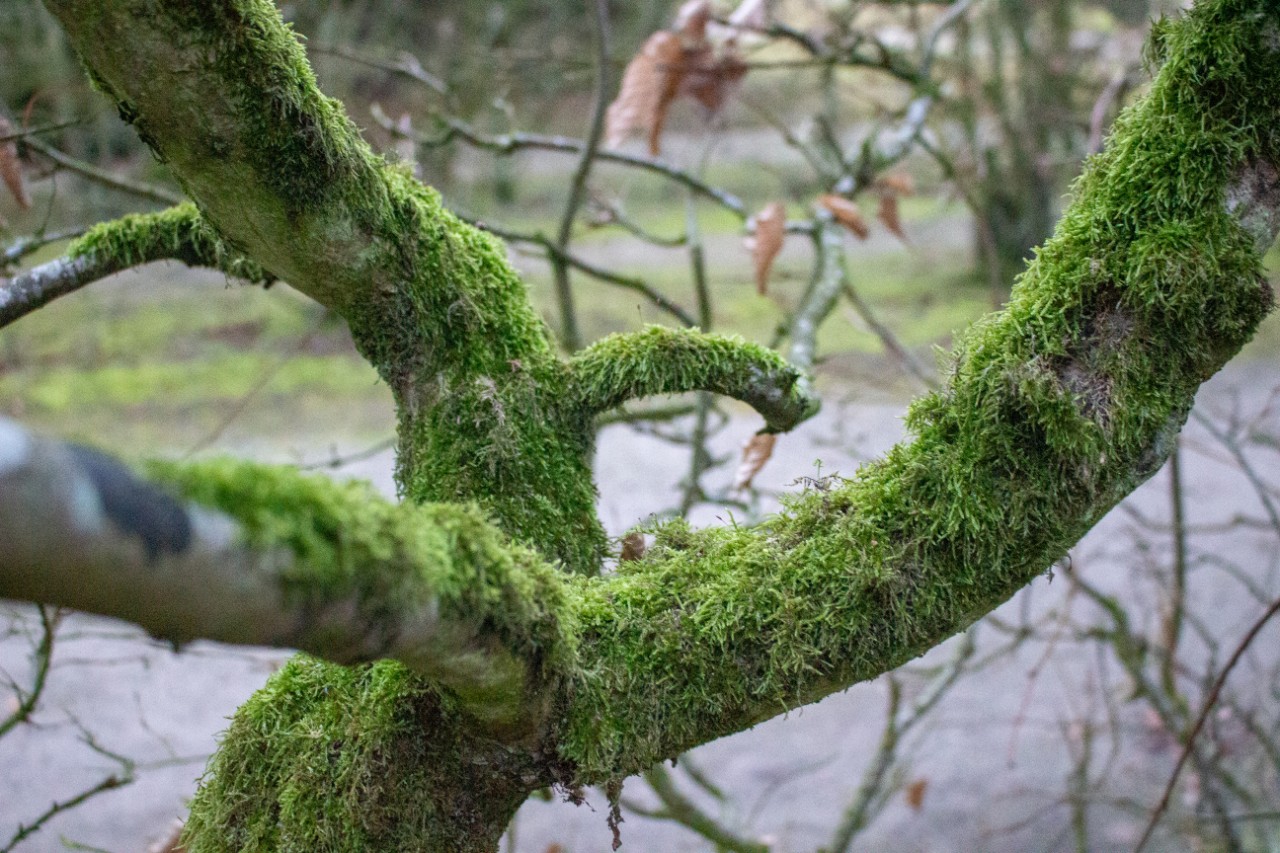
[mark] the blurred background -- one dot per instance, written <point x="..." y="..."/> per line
<point x="853" y="183"/>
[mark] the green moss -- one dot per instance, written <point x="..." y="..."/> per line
<point x="177" y="234"/>
<point x="345" y="537"/>
<point x="1055" y="409"/>
<point x="351" y="760"/>
<point x="620" y="368"/>
<point x="372" y="757"/>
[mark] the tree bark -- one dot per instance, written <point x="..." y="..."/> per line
<point x="1053" y="411"/>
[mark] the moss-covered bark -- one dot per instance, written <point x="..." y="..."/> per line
<point x="1054" y="410"/>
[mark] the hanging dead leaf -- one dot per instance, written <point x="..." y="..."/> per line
<point x="847" y="214"/>
<point x="711" y="80"/>
<point x="633" y="547"/>
<point x="756" y="451"/>
<point x="649" y="85"/>
<point x="888" y="214"/>
<point x="899" y="183"/>
<point x="683" y="61"/>
<point x="10" y="168"/>
<point x="915" y="794"/>
<point x="771" y="231"/>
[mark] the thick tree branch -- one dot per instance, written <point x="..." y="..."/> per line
<point x="270" y="557"/>
<point x="276" y="167"/>
<point x="176" y="234"/>
<point x="627" y="367"/>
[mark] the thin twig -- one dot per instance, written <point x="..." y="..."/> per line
<point x="571" y="336"/>
<point x="102" y="176"/>
<point x="1202" y="718"/>
<point x="27" y="133"/>
<point x="407" y="66"/>
<point x="596" y="272"/>
<point x="28" y="700"/>
<point x="680" y="809"/>
<point x="510" y="143"/>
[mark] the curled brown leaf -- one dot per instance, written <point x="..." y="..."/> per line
<point x="915" y="794"/>
<point x="681" y="62"/>
<point x="771" y="232"/>
<point x="888" y="214"/>
<point x="899" y="183"/>
<point x="10" y="168"/>
<point x="649" y="85"/>
<point x="756" y="451"/>
<point x="847" y="214"/>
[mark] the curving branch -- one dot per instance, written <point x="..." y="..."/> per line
<point x="177" y="234"/>
<point x="511" y="143"/>
<point x="273" y="558"/>
<point x="626" y="367"/>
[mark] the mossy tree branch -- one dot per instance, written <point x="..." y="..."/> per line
<point x="270" y="557"/>
<point x="176" y="234"/>
<point x="626" y="367"/>
<point x="1053" y="411"/>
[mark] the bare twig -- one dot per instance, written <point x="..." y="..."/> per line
<point x="680" y="809"/>
<point x="510" y="143"/>
<point x="1209" y="702"/>
<point x="43" y="656"/>
<point x="571" y="336"/>
<point x="552" y="251"/>
<point x="102" y="176"/>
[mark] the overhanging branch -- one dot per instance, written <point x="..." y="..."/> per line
<point x="270" y="557"/>
<point x="177" y="234"/>
<point x="626" y="367"/>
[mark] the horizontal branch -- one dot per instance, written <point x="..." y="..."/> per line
<point x="267" y="556"/>
<point x="176" y="234"/>
<point x="569" y="259"/>
<point x="104" y="177"/>
<point x="510" y="143"/>
<point x="626" y="367"/>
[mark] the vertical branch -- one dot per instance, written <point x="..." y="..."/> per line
<point x="571" y="334"/>
<point x="1173" y="617"/>
<point x="700" y="458"/>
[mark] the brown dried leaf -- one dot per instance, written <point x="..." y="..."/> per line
<point x="899" y="183"/>
<point x="633" y="547"/>
<point x="771" y="231"/>
<point x="888" y="214"/>
<point x="710" y="80"/>
<point x="10" y="168"/>
<point x="915" y="794"/>
<point x="649" y="85"/>
<point x="847" y="214"/>
<point x="756" y="451"/>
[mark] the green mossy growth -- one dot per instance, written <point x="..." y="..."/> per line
<point x="352" y="760"/>
<point x="345" y="537"/>
<point x="657" y="360"/>
<point x="1055" y="409"/>
<point x="177" y="234"/>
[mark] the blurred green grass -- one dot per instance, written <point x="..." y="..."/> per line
<point x="164" y="357"/>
